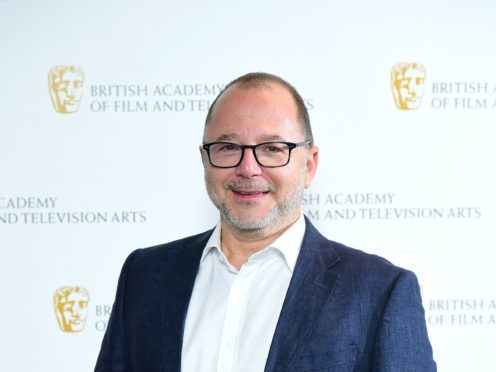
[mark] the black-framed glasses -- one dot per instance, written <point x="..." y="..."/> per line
<point x="267" y="154"/>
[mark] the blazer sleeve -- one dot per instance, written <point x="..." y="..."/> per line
<point x="112" y="353"/>
<point x="402" y="342"/>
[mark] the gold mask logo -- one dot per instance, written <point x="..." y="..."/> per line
<point x="65" y="84"/>
<point x="71" y="308"/>
<point x="407" y="83"/>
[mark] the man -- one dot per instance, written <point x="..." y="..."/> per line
<point x="263" y="291"/>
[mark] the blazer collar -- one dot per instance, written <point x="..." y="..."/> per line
<point x="177" y="294"/>
<point x="310" y="287"/>
<point x="309" y="290"/>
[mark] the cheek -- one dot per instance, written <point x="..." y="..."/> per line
<point x="215" y="180"/>
<point x="285" y="182"/>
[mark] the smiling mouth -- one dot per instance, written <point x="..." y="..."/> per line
<point x="249" y="195"/>
<point x="244" y="192"/>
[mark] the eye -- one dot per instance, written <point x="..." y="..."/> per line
<point x="225" y="148"/>
<point x="273" y="148"/>
<point x="229" y="147"/>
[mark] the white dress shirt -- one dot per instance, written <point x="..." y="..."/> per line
<point x="232" y="315"/>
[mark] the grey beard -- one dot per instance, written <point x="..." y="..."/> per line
<point x="278" y="216"/>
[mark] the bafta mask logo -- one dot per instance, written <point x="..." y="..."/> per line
<point x="407" y="83"/>
<point x="71" y="308"/>
<point x="65" y="84"/>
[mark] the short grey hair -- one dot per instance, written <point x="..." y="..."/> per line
<point x="259" y="79"/>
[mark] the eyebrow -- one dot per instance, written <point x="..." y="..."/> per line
<point x="227" y="137"/>
<point x="262" y="137"/>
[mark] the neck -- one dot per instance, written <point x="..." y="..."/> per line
<point x="239" y="245"/>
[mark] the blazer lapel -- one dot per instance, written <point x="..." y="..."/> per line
<point x="308" y="292"/>
<point x="176" y="297"/>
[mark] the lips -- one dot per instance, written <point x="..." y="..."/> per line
<point x="249" y="187"/>
<point x="249" y="191"/>
<point x="245" y="192"/>
<point x="249" y="196"/>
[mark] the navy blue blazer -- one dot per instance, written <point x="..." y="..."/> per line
<point x="345" y="310"/>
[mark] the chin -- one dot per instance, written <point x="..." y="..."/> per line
<point x="244" y="222"/>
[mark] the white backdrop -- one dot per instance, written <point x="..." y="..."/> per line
<point x="80" y="191"/>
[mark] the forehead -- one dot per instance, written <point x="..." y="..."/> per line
<point x="267" y="111"/>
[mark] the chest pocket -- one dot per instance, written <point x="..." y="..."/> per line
<point x="341" y="359"/>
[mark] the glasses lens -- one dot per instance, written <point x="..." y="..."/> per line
<point x="225" y="154"/>
<point x="272" y="154"/>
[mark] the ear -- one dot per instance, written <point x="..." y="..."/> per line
<point x="203" y="155"/>
<point x="312" y="162"/>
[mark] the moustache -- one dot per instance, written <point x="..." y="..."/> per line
<point x="256" y="186"/>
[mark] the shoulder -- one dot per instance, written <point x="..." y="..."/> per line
<point x="367" y="278"/>
<point x="351" y="261"/>
<point x="356" y="259"/>
<point x="185" y="247"/>
<point x="371" y="271"/>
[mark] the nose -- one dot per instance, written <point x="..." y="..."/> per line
<point x="249" y="166"/>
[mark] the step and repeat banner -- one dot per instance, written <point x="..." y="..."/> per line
<point x="101" y="116"/>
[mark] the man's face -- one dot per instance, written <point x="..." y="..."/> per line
<point x="68" y="90"/>
<point x="249" y="196"/>
<point x="73" y="310"/>
<point x="410" y="88"/>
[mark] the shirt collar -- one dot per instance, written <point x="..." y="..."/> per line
<point x="212" y="243"/>
<point x="287" y="245"/>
